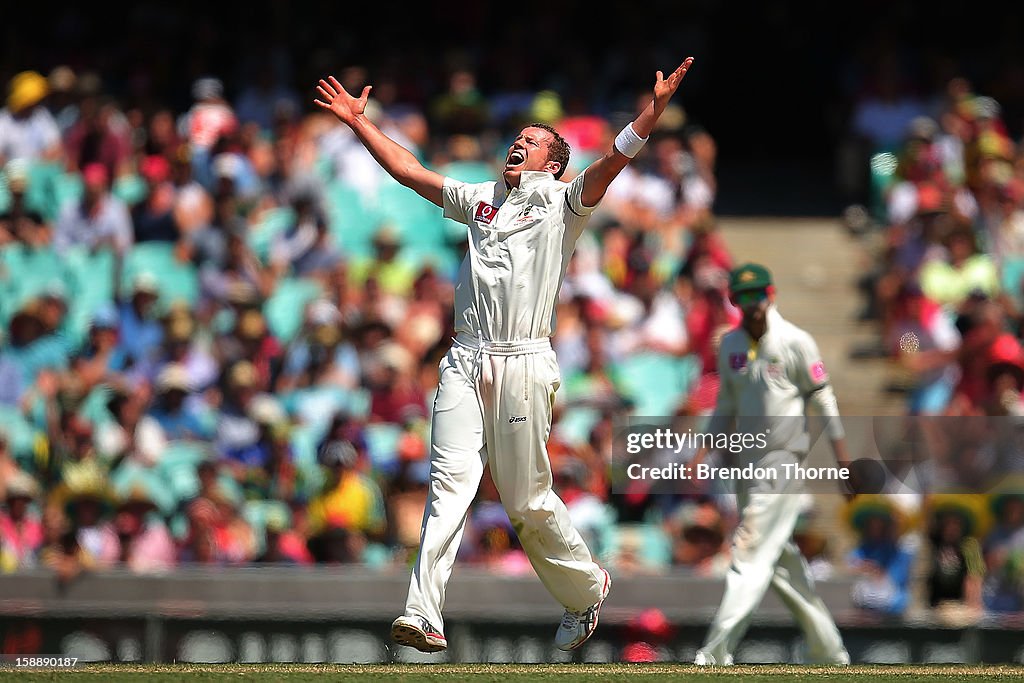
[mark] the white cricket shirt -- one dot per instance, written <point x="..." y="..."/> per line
<point x="519" y="249"/>
<point x="765" y="385"/>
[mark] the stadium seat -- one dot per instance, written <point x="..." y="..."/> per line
<point x="1012" y="279"/>
<point x="130" y="189"/>
<point x="656" y="382"/>
<point x="19" y="433"/>
<point x="271" y="223"/>
<point x="286" y="307"/>
<point x="129" y="475"/>
<point x="27" y="272"/>
<point x="352" y="223"/>
<point x="90" y="275"/>
<point x="575" y="424"/>
<point x="655" y="547"/>
<point x="258" y="512"/>
<point x="177" y="280"/>
<point x="382" y="444"/>
<point x="418" y="222"/>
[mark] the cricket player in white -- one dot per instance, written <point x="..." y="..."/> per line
<point x="497" y="383"/>
<point x="769" y="369"/>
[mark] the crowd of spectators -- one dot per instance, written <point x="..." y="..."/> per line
<point x="944" y="215"/>
<point x="222" y="326"/>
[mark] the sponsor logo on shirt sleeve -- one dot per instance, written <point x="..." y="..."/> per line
<point x="818" y="373"/>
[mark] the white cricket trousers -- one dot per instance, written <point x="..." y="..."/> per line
<point x="493" y="408"/>
<point x="763" y="554"/>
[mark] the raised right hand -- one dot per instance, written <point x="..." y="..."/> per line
<point x="337" y="100"/>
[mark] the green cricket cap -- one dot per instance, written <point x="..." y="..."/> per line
<point x="749" y="276"/>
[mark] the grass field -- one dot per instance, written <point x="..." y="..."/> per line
<point x="515" y="673"/>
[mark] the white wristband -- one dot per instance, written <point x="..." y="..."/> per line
<point x="628" y="142"/>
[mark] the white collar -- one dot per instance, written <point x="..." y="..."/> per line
<point x="529" y="180"/>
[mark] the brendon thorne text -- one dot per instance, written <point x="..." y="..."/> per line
<point x="751" y="473"/>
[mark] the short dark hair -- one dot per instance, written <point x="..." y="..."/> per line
<point x="559" y="149"/>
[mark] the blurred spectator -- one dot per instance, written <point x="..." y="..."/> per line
<point x="813" y="542"/>
<point x="306" y="248"/>
<point x="173" y="414"/>
<point x="965" y="270"/>
<point x="462" y="109"/>
<point x="100" y="135"/>
<point x="153" y="218"/>
<point x="140" y="330"/>
<point x="98" y="220"/>
<point x="265" y="99"/>
<point x="27" y="129"/>
<point x="395" y="395"/>
<point x="145" y="544"/>
<point x="320" y="354"/>
<point x="925" y="340"/>
<point x="956" y="569"/>
<point x="209" y="118"/>
<point x="1003" y="549"/>
<point x="284" y="544"/>
<point x="21" y="222"/>
<point x="237" y="431"/>
<point x="405" y="502"/>
<point x="698" y="534"/>
<point x="86" y="500"/>
<point x="880" y="562"/>
<point x="351" y="501"/>
<point x="21" y="529"/>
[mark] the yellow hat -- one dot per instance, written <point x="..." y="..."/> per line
<point x="867" y="505"/>
<point x="26" y="89"/>
<point x="971" y="508"/>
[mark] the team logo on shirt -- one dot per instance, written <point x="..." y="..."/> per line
<point x="737" y="361"/>
<point x="818" y="373"/>
<point x="485" y="213"/>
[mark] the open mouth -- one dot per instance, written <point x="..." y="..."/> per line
<point x="515" y="158"/>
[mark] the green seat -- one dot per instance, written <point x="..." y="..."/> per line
<point x="382" y="443"/>
<point x="94" y="406"/>
<point x="64" y="189"/>
<point x="259" y="512"/>
<point x="654" y="544"/>
<point x="178" y="281"/>
<point x="285" y="308"/>
<point x="655" y="382"/>
<point x="576" y="423"/>
<point x="179" y="464"/>
<point x="1012" y="279"/>
<point x="19" y="433"/>
<point x="129" y="476"/>
<point x="50" y="188"/>
<point x="27" y="273"/>
<point x="418" y="222"/>
<point x="352" y="223"/>
<point x="272" y="223"/>
<point x="130" y="189"/>
<point x="90" y="276"/>
<point x="304" y="440"/>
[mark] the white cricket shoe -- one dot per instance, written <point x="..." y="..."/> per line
<point x="418" y="633"/>
<point x="577" y="627"/>
<point x="704" y="659"/>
